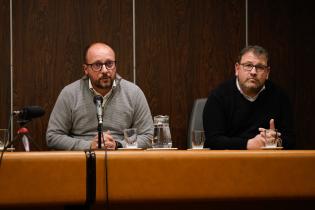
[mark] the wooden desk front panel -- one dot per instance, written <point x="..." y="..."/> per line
<point x="42" y="178"/>
<point x="137" y="176"/>
<point x="58" y="178"/>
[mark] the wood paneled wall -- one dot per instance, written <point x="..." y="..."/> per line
<point x="287" y="30"/>
<point x="184" y="48"/>
<point x="4" y="63"/>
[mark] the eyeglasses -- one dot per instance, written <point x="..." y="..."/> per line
<point x="109" y="65"/>
<point x="249" y="67"/>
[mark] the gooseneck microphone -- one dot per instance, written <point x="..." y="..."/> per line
<point x="98" y="100"/>
<point x="29" y="112"/>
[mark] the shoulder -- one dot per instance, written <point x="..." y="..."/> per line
<point x="74" y="90"/>
<point x="225" y="89"/>
<point x="74" y="86"/>
<point x="129" y="93"/>
<point x="129" y="87"/>
<point x="127" y="84"/>
<point x="128" y="96"/>
<point x="223" y="95"/>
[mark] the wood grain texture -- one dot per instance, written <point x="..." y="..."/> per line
<point x="4" y="63"/>
<point x="286" y="29"/>
<point x="185" y="48"/>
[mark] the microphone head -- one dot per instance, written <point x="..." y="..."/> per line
<point x="31" y="112"/>
<point x="98" y="98"/>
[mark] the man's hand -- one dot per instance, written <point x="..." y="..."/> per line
<point x="109" y="141"/>
<point x="256" y="143"/>
<point x="107" y="138"/>
<point x="94" y="144"/>
<point x="259" y="140"/>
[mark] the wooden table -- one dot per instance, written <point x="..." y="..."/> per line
<point x="177" y="177"/>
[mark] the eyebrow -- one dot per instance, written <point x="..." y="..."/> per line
<point x="261" y="64"/>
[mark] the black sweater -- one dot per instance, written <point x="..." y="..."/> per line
<point x="230" y="120"/>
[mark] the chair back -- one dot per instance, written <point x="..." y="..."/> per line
<point x="195" y="120"/>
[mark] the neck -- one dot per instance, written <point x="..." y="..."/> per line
<point x="102" y="91"/>
<point x="249" y="93"/>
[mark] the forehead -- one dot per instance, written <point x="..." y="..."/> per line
<point x="100" y="52"/>
<point x="254" y="58"/>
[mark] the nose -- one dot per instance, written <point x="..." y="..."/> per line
<point x="253" y="71"/>
<point x="104" y="68"/>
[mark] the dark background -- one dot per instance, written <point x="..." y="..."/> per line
<point x="184" y="49"/>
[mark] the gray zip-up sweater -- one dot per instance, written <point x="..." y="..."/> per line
<point x="73" y="122"/>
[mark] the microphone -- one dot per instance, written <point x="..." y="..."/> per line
<point x="98" y="100"/>
<point x="29" y="112"/>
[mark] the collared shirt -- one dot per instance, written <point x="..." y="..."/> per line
<point x="105" y="98"/>
<point x="249" y="98"/>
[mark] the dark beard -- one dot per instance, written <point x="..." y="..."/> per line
<point x="102" y="85"/>
<point x="251" y="90"/>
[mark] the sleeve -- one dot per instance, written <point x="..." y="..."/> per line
<point x="58" y="133"/>
<point x="142" y="120"/>
<point x="215" y="123"/>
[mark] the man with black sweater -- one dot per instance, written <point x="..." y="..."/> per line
<point x="239" y="110"/>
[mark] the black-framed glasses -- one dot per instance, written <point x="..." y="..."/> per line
<point x="259" y="67"/>
<point x="109" y="65"/>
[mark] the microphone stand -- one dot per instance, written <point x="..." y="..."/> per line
<point x="22" y="134"/>
<point x="99" y="131"/>
<point x="100" y="137"/>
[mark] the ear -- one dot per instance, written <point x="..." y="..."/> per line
<point x="268" y="71"/>
<point x="237" y="68"/>
<point x="84" y="69"/>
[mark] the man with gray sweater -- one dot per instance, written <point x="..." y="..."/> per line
<point x="73" y="123"/>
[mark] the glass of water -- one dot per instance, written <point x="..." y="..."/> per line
<point x="130" y="136"/>
<point x="4" y="134"/>
<point x="198" y="139"/>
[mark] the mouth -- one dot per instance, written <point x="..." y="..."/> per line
<point x="104" y="79"/>
<point x="252" y="80"/>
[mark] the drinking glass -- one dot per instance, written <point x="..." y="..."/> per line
<point x="130" y="136"/>
<point x="3" y="138"/>
<point x="198" y="139"/>
<point x="272" y="138"/>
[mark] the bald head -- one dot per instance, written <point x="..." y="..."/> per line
<point x="95" y="46"/>
<point x="100" y="55"/>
